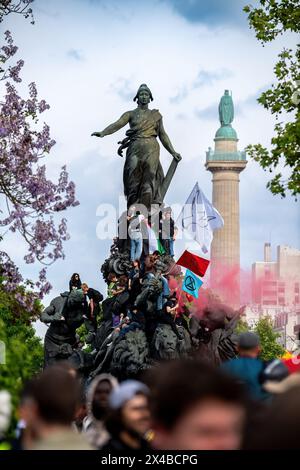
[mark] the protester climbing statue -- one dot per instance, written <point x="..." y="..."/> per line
<point x="143" y="177"/>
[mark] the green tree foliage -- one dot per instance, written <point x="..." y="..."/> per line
<point x="271" y="19"/>
<point x="270" y="349"/>
<point x="23" y="349"/>
<point x="241" y="326"/>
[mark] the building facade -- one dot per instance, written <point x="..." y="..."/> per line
<point x="276" y="292"/>
<point x="276" y="284"/>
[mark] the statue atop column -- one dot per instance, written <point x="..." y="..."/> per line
<point x="143" y="177"/>
<point x="226" y="110"/>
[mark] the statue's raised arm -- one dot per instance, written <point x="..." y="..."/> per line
<point x="143" y="177"/>
<point x="115" y="126"/>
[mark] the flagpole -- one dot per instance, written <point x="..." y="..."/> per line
<point x="178" y="302"/>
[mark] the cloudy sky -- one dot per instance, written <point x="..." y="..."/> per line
<point x="88" y="58"/>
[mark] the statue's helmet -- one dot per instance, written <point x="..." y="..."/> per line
<point x="143" y="87"/>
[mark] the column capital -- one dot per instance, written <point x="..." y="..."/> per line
<point x="216" y="166"/>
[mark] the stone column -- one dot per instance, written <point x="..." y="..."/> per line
<point x="225" y="249"/>
<point x="226" y="163"/>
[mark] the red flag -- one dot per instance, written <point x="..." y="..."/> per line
<point x="293" y="364"/>
<point x="193" y="263"/>
<point x="189" y="297"/>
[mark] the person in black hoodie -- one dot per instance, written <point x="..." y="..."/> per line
<point x="128" y="419"/>
<point x="92" y="299"/>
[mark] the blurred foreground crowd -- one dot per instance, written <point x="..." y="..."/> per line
<point x="183" y="404"/>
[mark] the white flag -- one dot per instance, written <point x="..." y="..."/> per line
<point x="200" y="218"/>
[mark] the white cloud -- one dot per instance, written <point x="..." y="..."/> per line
<point x="123" y="48"/>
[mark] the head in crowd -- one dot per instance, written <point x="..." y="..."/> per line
<point x="81" y="411"/>
<point x="25" y="415"/>
<point x="123" y="279"/>
<point x="129" y="416"/>
<point x="280" y="381"/>
<point x="279" y="426"/>
<point x="173" y="296"/>
<point x="131" y="211"/>
<point x="93" y="424"/>
<point x="136" y="263"/>
<point x="112" y="277"/>
<point x="98" y="393"/>
<point x="273" y="376"/>
<point x="248" y="345"/>
<point x="75" y="280"/>
<point x="149" y="263"/>
<point x="68" y="367"/>
<point x="5" y="411"/>
<point x="52" y="399"/>
<point x="155" y="255"/>
<point x="84" y="287"/>
<point x="167" y="213"/>
<point x="134" y="309"/>
<point x="195" y="407"/>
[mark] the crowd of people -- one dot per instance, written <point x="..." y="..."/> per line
<point x="183" y="404"/>
<point x="126" y="315"/>
<point x="163" y="229"/>
<point x="190" y="403"/>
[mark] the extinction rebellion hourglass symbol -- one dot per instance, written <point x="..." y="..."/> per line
<point x="189" y="283"/>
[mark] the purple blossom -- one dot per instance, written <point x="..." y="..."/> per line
<point x="43" y="106"/>
<point x="3" y="132"/>
<point x="30" y="197"/>
<point x="15" y="70"/>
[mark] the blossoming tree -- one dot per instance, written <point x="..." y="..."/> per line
<point x="28" y="199"/>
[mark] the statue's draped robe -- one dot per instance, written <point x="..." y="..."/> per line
<point x="61" y="334"/>
<point x="226" y="110"/>
<point x="143" y="174"/>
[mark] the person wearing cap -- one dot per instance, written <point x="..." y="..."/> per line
<point x="128" y="419"/>
<point x="248" y="367"/>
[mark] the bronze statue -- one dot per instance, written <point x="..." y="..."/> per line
<point x="64" y="315"/>
<point x="226" y="110"/>
<point x="143" y="177"/>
